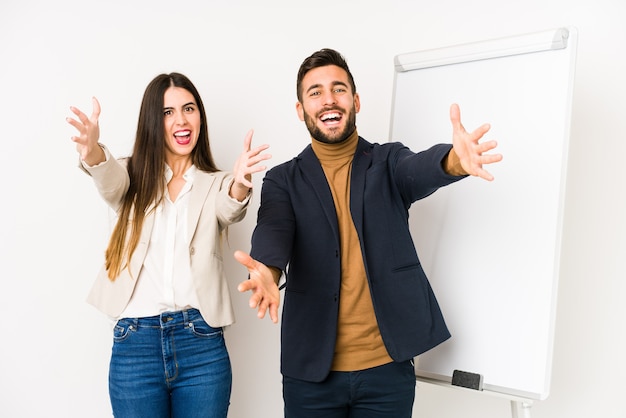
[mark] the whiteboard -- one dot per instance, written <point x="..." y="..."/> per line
<point x="491" y="249"/>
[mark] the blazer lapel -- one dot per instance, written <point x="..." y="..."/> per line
<point x="199" y="191"/>
<point x="312" y="170"/>
<point x="361" y="162"/>
<point x="136" y="261"/>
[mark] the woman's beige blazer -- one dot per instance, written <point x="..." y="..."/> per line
<point x="211" y="210"/>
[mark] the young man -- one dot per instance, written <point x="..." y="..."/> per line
<point x="358" y="306"/>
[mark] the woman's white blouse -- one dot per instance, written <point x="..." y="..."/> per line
<point x="165" y="282"/>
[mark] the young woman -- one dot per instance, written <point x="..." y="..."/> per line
<point x="163" y="280"/>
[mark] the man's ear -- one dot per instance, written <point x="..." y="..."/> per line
<point x="300" y="111"/>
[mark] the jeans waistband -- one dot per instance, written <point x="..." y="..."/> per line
<point x="166" y="319"/>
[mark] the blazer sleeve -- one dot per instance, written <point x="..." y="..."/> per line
<point x="272" y="238"/>
<point x="110" y="177"/>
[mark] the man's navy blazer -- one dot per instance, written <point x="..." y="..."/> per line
<point x="297" y="232"/>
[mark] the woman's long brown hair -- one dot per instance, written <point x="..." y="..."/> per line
<point x="146" y="167"/>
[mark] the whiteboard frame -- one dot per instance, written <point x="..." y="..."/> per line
<point x="474" y="51"/>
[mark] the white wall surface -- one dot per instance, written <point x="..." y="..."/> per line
<point x="243" y="57"/>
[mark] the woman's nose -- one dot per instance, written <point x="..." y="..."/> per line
<point x="181" y="119"/>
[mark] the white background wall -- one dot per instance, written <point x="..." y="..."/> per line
<point x="243" y="57"/>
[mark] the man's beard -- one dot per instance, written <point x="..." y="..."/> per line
<point x="335" y="136"/>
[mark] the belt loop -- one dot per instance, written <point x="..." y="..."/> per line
<point x="185" y="317"/>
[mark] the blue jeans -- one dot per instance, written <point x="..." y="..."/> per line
<point x="170" y="365"/>
<point x="380" y="392"/>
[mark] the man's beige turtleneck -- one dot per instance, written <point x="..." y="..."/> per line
<point x="359" y="344"/>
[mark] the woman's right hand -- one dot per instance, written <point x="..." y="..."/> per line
<point x="246" y="165"/>
<point x="88" y="134"/>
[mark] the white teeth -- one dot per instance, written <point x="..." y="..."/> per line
<point x="330" y="116"/>
<point x="182" y="133"/>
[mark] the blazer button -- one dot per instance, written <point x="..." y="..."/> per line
<point x="192" y="250"/>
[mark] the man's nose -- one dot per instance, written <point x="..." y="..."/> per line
<point x="329" y="98"/>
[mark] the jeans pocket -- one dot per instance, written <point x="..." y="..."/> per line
<point x="122" y="331"/>
<point x="200" y="328"/>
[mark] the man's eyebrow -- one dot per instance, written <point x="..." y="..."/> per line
<point x="334" y="83"/>
<point x="313" y="87"/>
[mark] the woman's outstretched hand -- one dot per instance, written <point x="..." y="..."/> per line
<point x="88" y="134"/>
<point x="246" y="165"/>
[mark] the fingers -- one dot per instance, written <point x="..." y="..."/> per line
<point x="471" y="152"/>
<point x="264" y="298"/>
<point x="483" y="148"/>
<point x="244" y="258"/>
<point x="245" y="286"/>
<point x="491" y="158"/>
<point x="257" y="301"/>
<point x="248" y="162"/>
<point x="481" y="159"/>
<point x="486" y="146"/>
<point x="249" y="157"/>
<point x="247" y="142"/>
<point x="274" y="313"/>
<point x="251" y="264"/>
<point x="85" y="123"/>
<point x="95" y="113"/>
<point x="481" y="130"/>
<point x="80" y="126"/>
<point x="75" y="124"/>
<point x="263" y="307"/>
<point x="254" y="157"/>
<point x="247" y="149"/>
<point x="455" y="117"/>
<point x="484" y="174"/>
